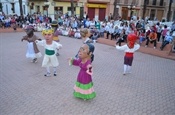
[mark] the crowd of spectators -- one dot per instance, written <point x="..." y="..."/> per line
<point x="149" y="31"/>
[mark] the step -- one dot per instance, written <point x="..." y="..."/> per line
<point x="148" y="50"/>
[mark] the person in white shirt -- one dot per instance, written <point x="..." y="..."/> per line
<point x="92" y="24"/>
<point x="87" y="23"/>
<point x="111" y="32"/>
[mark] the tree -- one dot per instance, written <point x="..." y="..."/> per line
<point x="72" y="7"/>
<point x="1" y="7"/>
<point x="115" y="13"/>
<point x="144" y="9"/>
<point x="169" y="10"/>
<point x="20" y="7"/>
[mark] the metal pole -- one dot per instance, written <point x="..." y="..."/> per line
<point x="131" y="11"/>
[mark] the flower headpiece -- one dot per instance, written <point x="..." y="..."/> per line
<point x="47" y="31"/>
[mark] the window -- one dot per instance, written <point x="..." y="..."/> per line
<point x="134" y="1"/>
<point x="24" y="9"/>
<point x="58" y="10"/>
<point x="161" y="2"/>
<point x="152" y="14"/>
<point x="69" y="9"/>
<point x="126" y="2"/>
<point x="154" y="2"/>
<point x="38" y="9"/>
<point x="174" y="15"/>
<point x="147" y="1"/>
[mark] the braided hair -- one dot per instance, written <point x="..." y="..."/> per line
<point x="91" y="49"/>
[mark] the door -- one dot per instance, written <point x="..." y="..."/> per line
<point x="125" y="13"/>
<point x="81" y="12"/>
<point x="91" y="13"/>
<point x="102" y="12"/>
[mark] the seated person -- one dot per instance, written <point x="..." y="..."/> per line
<point x="122" y="38"/>
<point x="142" y="35"/>
<point x="65" y="30"/>
<point x="168" y="39"/>
<point x="71" y="32"/>
<point x="152" y="38"/>
<point x="77" y="34"/>
<point x="102" y="31"/>
<point x="95" y="36"/>
<point x="116" y="33"/>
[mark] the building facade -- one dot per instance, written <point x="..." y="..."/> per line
<point x="12" y="7"/>
<point x="95" y="9"/>
<point x="155" y="9"/>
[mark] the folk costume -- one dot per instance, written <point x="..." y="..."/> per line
<point x="84" y="86"/>
<point x="129" y="49"/>
<point x="50" y="58"/>
<point x="32" y="49"/>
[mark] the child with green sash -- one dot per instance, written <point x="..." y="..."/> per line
<point x="51" y="47"/>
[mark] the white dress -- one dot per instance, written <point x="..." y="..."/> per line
<point x="30" y="51"/>
<point x="50" y="58"/>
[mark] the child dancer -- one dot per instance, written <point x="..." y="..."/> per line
<point x="129" y="49"/>
<point x="50" y="58"/>
<point x="32" y="49"/>
<point x="84" y="86"/>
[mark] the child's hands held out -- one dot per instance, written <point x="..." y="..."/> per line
<point x="70" y="60"/>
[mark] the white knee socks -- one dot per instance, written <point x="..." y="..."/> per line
<point x="127" y="69"/>
<point x="54" y="70"/>
<point x="48" y="69"/>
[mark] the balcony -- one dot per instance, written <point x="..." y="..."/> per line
<point x="99" y="1"/>
<point x="65" y="0"/>
<point x="36" y="0"/>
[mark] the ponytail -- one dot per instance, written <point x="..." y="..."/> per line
<point x="92" y="57"/>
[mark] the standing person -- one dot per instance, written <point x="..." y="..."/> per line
<point x="84" y="86"/>
<point x="164" y="31"/>
<point x="54" y="25"/>
<point x="32" y="49"/>
<point x="168" y="39"/>
<point x="85" y="33"/>
<point x="129" y="49"/>
<point x="159" y="30"/>
<point x="50" y="58"/>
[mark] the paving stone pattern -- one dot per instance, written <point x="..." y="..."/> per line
<point x="148" y="90"/>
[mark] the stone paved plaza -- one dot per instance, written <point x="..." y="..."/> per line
<point x="148" y="90"/>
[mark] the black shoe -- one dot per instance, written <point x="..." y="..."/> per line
<point x="35" y="60"/>
<point x="47" y="75"/>
<point x="57" y="54"/>
<point x="55" y="74"/>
